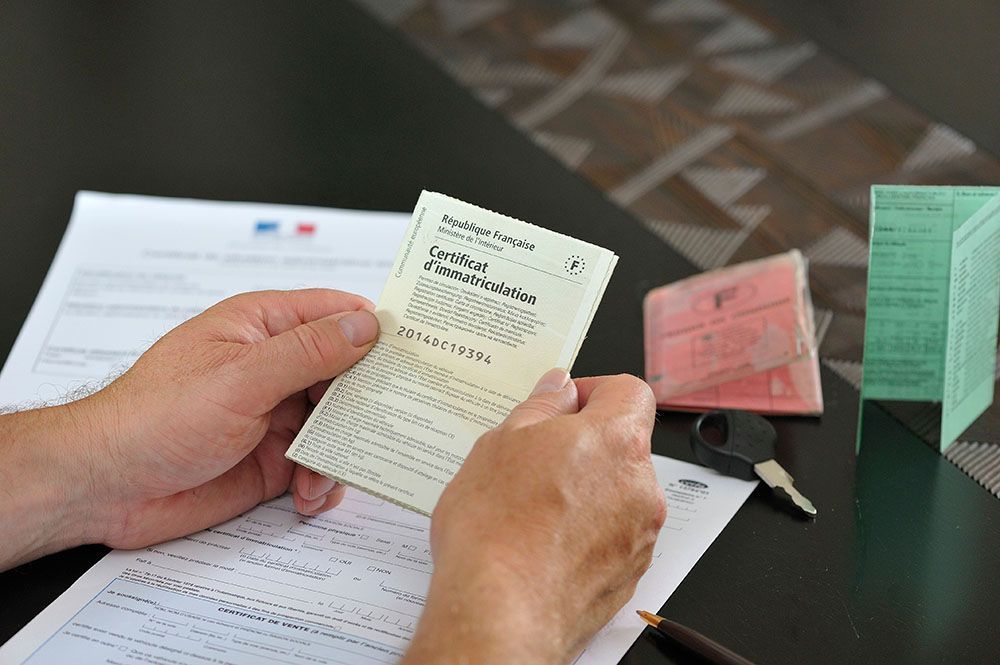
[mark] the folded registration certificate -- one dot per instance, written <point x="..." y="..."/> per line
<point x="477" y="307"/>
<point x="740" y="337"/>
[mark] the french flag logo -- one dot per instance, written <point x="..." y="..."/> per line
<point x="272" y="228"/>
<point x="267" y="227"/>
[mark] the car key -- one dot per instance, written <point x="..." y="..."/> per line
<point x="747" y="451"/>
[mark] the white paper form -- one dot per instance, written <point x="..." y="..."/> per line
<point x="130" y="268"/>
<point x="345" y="587"/>
<point x="269" y="586"/>
<point x="700" y="502"/>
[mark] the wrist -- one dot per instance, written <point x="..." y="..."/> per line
<point x="88" y="429"/>
<point x="53" y="498"/>
<point x="485" y="615"/>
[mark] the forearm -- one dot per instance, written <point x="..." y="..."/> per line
<point x="47" y="486"/>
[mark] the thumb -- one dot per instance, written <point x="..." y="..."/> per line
<point x="554" y="395"/>
<point x="309" y="353"/>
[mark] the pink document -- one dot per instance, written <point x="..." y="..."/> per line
<point x="739" y="337"/>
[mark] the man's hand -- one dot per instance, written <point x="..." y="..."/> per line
<point x="195" y="432"/>
<point x="546" y="528"/>
<point x="203" y="419"/>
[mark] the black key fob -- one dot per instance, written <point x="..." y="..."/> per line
<point x="747" y="439"/>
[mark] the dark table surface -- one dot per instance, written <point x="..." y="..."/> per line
<point x="314" y="103"/>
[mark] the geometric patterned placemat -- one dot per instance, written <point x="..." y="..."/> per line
<point x="726" y="134"/>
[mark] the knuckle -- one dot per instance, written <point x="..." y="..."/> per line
<point x="632" y="385"/>
<point x="640" y="442"/>
<point x="633" y="442"/>
<point x="538" y="406"/>
<point x="645" y="491"/>
<point x="637" y="401"/>
<point x="659" y="506"/>
<point x="645" y="558"/>
<point x="484" y="440"/>
<point x="538" y="410"/>
<point x="317" y="348"/>
<point x="639" y="394"/>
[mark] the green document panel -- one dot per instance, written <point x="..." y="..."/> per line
<point x="907" y="313"/>
<point x="974" y="299"/>
<point x="933" y="299"/>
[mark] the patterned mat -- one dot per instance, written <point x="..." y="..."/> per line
<point x="728" y="135"/>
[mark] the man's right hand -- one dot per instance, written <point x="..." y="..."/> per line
<point x="545" y="530"/>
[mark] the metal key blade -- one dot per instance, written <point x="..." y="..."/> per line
<point x="782" y="483"/>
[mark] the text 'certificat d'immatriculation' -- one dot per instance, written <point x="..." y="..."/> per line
<point x="477" y="307"/>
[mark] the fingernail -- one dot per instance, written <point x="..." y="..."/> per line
<point x="359" y="327"/>
<point x="319" y="486"/>
<point x="554" y="379"/>
<point x="313" y="505"/>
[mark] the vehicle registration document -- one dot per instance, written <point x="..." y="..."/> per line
<point x="477" y="307"/>
<point x="740" y="337"/>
